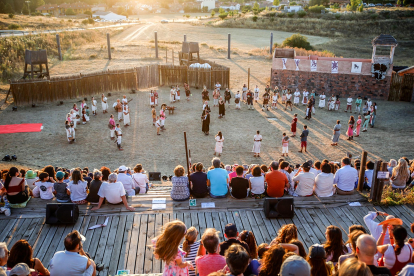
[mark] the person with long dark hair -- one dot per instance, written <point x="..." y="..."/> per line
<point x="350" y="131"/>
<point x="78" y="187"/>
<point x="317" y="261"/>
<point x="219" y="143"/>
<point x="254" y="265"/>
<point x="22" y="252"/>
<point x="222" y="108"/>
<point x="334" y="245"/>
<point x="17" y="189"/>
<point x="105" y="173"/>
<point x="272" y="261"/>
<point x="50" y="170"/>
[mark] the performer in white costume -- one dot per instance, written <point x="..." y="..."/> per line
<point x="257" y="144"/>
<point x="104" y="104"/>
<point x="93" y="106"/>
<point x="125" y="111"/>
<point x="305" y="97"/>
<point x="296" y="97"/>
<point x="219" y="143"/>
<point x="256" y="93"/>
<point x="322" y="98"/>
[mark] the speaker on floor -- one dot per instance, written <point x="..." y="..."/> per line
<point x="62" y="213"/>
<point x="154" y="176"/>
<point x="281" y="207"/>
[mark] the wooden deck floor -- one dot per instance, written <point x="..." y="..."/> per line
<point x="123" y="244"/>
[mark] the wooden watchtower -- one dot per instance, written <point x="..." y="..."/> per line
<point x="187" y="51"/>
<point x="36" y="58"/>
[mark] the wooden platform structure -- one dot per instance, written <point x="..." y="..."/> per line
<point x="123" y="244"/>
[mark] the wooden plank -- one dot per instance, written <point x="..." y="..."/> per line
<point x="238" y="220"/>
<point x="269" y="227"/>
<point x="313" y="231"/>
<point x="306" y="239"/>
<point x="96" y="236"/>
<point x="156" y="264"/>
<point x="19" y="232"/>
<point x="187" y="220"/>
<point x="88" y="233"/>
<point x="149" y="256"/>
<point x="318" y="221"/>
<point x="330" y="215"/>
<point x="133" y="244"/>
<point x="266" y="238"/>
<point x="69" y="228"/>
<point x="114" y="241"/>
<point x="103" y="240"/>
<point x="209" y="222"/>
<point x="202" y="224"/>
<point x="46" y="243"/>
<point x="123" y="257"/>
<point x="346" y="221"/>
<point x="9" y="224"/>
<point x="217" y="225"/>
<point x="39" y="242"/>
<point x="223" y="220"/>
<point x="139" y="264"/>
<point x="57" y="239"/>
<point x="36" y="231"/>
<point x="13" y="231"/>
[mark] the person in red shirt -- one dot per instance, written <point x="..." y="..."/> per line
<point x="277" y="181"/>
<point x="212" y="262"/>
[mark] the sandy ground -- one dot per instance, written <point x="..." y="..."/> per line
<point x="389" y="139"/>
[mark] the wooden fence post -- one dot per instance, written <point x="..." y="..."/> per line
<point x="156" y="44"/>
<point x="248" y="78"/>
<point x="228" y="46"/>
<point x="362" y="171"/>
<point x="58" y="45"/>
<point x="378" y="180"/>
<point x="271" y="42"/>
<point x="166" y="55"/>
<point x="108" y="39"/>
<point x="172" y="56"/>
<point x="185" y="38"/>
<point x="375" y="184"/>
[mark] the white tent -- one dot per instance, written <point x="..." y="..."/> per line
<point x="109" y="16"/>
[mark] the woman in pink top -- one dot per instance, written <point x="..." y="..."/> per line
<point x="359" y="121"/>
<point x="111" y="126"/>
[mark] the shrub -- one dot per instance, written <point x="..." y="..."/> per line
<point x="316" y="9"/>
<point x="221" y="10"/>
<point x="254" y="18"/>
<point x="297" y="40"/>
<point x="351" y="7"/>
<point x="291" y="14"/>
<point x="271" y="19"/>
<point x="301" y="14"/>
<point x="282" y="7"/>
<point x="338" y="16"/>
<point x="281" y="15"/>
<point x="14" y="26"/>
<point x="271" y="14"/>
<point x="70" y="12"/>
<point x="91" y="21"/>
<point x="223" y="15"/>
<point x="88" y="12"/>
<point x="361" y="8"/>
<point x="374" y="16"/>
<point x="292" y="3"/>
<point x="11" y="15"/>
<point x="213" y="13"/>
<point x="85" y="22"/>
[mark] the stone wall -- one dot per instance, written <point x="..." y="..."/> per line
<point x="337" y="84"/>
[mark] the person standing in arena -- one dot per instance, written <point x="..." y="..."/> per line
<point x="257" y="144"/>
<point x="104" y="103"/>
<point x="118" y="133"/>
<point x="304" y="138"/>
<point x="162" y="116"/>
<point x="112" y="126"/>
<point x="249" y="100"/>
<point x="293" y="125"/>
<point x="93" y="106"/>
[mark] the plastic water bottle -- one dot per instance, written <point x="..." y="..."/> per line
<point x="6" y="202"/>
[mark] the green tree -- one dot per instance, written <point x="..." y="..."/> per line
<point x="223" y="15"/>
<point x="256" y="6"/>
<point x="204" y="9"/>
<point x="276" y="2"/>
<point x="361" y="8"/>
<point x="292" y="3"/>
<point x="35" y="4"/>
<point x="297" y="40"/>
<point x="213" y="13"/>
<point x="25" y="10"/>
<point x="88" y="13"/>
<point x="221" y="10"/>
<point x="8" y="8"/>
<point x="69" y="12"/>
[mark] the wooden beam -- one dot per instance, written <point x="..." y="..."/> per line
<point x="361" y="178"/>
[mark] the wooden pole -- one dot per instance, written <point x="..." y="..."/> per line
<point x="271" y="43"/>
<point x="381" y="182"/>
<point x="156" y="44"/>
<point x="374" y="185"/>
<point x="173" y="56"/>
<point x="166" y="55"/>
<point x="186" y="154"/>
<point x="185" y="38"/>
<point x="58" y="45"/>
<point x="108" y="39"/>
<point x="248" y="78"/>
<point x="361" y="178"/>
<point x="228" y="46"/>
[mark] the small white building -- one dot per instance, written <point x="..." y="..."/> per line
<point x="231" y="7"/>
<point x="109" y="16"/>
<point x="210" y="4"/>
<point x="293" y="8"/>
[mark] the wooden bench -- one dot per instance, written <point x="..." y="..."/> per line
<point x="170" y="109"/>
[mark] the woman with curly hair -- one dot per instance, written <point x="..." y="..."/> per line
<point x="272" y="261"/>
<point x="22" y="252"/>
<point x="400" y="175"/>
<point x="105" y="173"/>
<point x="287" y="233"/>
<point x="334" y="245"/>
<point x="51" y="171"/>
<point x="254" y="265"/>
<point x="180" y="189"/>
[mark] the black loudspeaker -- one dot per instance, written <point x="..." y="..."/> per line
<point x="281" y="207"/>
<point x="65" y="213"/>
<point x="154" y="176"/>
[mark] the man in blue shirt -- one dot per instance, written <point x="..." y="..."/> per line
<point x="345" y="178"/>
<point x="217" y="180"/>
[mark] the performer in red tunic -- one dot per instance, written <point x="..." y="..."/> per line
<point x="293" y="125"/>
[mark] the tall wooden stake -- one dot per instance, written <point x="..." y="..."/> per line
<point x="271" y="43"/>
<point x="108" y="40"/>
<point x="166" y="55"/>
<point x="362" y="171"/>
<point x="156" y="44"/>
<point x="173" y="56"/>
<point x="248" y="78"/>
<point x="374" y="185"/>
<point x="186" y="154"/>
<point x="58" y="45"/>
<point x="228" y="46"/>
<point x="185" y="38"/>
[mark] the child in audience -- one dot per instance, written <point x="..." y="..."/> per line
<point x="237" y="259"/>
<point x="166" y="248"/>
<point x="261" y="249"/>
<point x="239" y="186"/>
<point x="369" y="173"/>
<point x="45" y="187"/>
<point x="60" y="188"/>
<point x="254" y="264"/>
<point x="190" y="247"/>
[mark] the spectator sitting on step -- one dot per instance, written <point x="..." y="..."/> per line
<point x="94" y="187"/>
<point x="16" y="188"/>
<point x="60" y="188"/>
<point x="257" y="183"/>
<point x="231" y="234"/>
<point x="374" y="228"/>
<point x="317" y="261"/>
<point x="345" y="178"/>
<point x="254" y="264"/>
<point x="353" y="236"/>
<point x="233" y="173"/>
<point x="366" y="249"/>
<point x="352" y="267"/>
<point x="217" y="180"/>
<point x="272" y="261"/>
<point x="44" y="187"/>
<point x="78" y="188"/>
<point x="213" y="261"/>
<point x="198" y="182"/>
<point x="324" y="182"/>
<point x="334" y="245"/>
<point x="113" y="192"/>
<point x="22" y="252"/>
<point x="239" y="186"/>
<point x="74" y="260"/>
<point x="180" y="187"/>
<point x="190" y="246"/>
<point x="237" y="259"/>
<point x="4" y="255"/>
<point x="277" y="181"/>
<point x="284" y="168"/>
<point x="306" y="181"/>
<point x="295" y="266"/>
<point x="369" y="173"/>
<point x="140" y="179"/>
<point x="126" y="180"/>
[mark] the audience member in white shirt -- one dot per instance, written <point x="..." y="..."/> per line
<point x="126" y="181"/>
<point x="345" y="178"/>
<point x="114" y="193"/>
<point x="374" y="228"/>
<point x="140" y="179"/>
<point x="306" y="181"/>
<point x="317" y="167"/>
<point x="45" y="187"/>
<point x="324" y="182"/>
<point x="312" y="169"/>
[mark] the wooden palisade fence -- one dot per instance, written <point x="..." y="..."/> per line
<point x="401" y="87"/>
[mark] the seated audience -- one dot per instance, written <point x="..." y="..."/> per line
<point x="50" y="170"/>
<point x="391" y="165"/>
<point x="233" y="173"/>
<point x="22" y="252"/>
<point x="277" y="182"/>
<point x="317" y="167"/>
<point x="317" y="261"/>
<point x="295" y="266"/>
<point x="254" y="265"/>
<point x="239" y="186"/>
<point x="395" y="256"/>
<point x="4" y="255"/>
<point x="366" y="249"/>
<point x="78" y="188"/>
<point x="353" y="267"/>
<point x="44" y="187"/>
<point x="198" y="182"/>
<point x="126" y="180"/>
<point x="211" y="262"/>
<point x="257" y="183"/>
<point x="74" y="260"/>
<point x="113" y="192"/>
<point x="301" y="248"/>
<point x="272" y="261"/>
<point x="324" y="182"/>
<point x="400" y="175"/>
<point x="408" y="270"/>
<point x="284" y="168"/>
<point x="16" y="188"/>
<point x="140" y="179"/>
<point x="287" y="233"/>
<point x="217" y="180"/>
<point x="94" y="187"/>
<point x="31" y="178"/>
<point x="306" y="181"/>
<point x="369" y="173"/>
<point x="352" y="239"/>
<point x="261" y="249"/>
<point x="190" y="247"/>
<point x="373" y="226"/>
<point x="20" y="269"/>
<point x="231" y="234"/>
<point x="345" y="178"/>
<point x="180" y="187"/>
<point x="334" y="245"/>
<point x="237" y="259"/>
<point x="105" y="173"/>
<point x="60" y="188"/>
<point x="352" y="228"/>
<point x="312" y="169"/>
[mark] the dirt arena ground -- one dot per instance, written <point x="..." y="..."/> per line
<point x="392" y="136"/>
